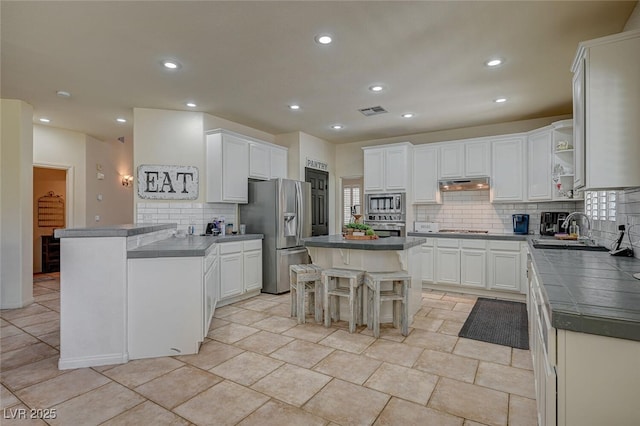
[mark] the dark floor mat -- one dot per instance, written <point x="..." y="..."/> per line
<point x="498" y="321"/>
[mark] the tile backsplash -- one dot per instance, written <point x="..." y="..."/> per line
<point x="473" y="210"/>
<point x="185" y="214"/>
<point x="628" y="214"/>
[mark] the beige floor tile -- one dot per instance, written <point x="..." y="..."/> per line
<point x="260" y="305"/>
<point x="231" y="333"/>
<point x="276" y="413"/>
<point x="292" y="384"/>
<point x="347" y="404"/>
<point x="506" y="379"/>
<point x="23" y="322"/>
<point x="43" y="328"/>
<point x="211" y="354"/>
<point x="97" y="406"/>
<point x="13" y="314"/>
<point x="468" y="422"/>
<point x="51" y="284"/>
<point x="30" y="374"/>
<point x="18" y="415"/>
<point x="52" y="339"/>
<point x="38" y="291"/>
<point x="282" y="310"/>
<point x="61" y="388"/>
<point x="246" y="368"/>
<point x="7" y="399"/>
<point x="26" y="355"/>
<point x="276" y="324"/>
<point x="17" y="341"/>
<point x="4" y="322"/>
<point x="521" y="359"/>
<point x="9" y="330"/>
<point x="146" y="413"/>
<point x="438" y="304"/>
<point x="304" y="354"/>
<point x="217" y="323"/>
<point x="347" y="366"/>
<point x="432" y="295"/>
<point x="225" y="311"/>
<point x="427" y="324"/>
<point x="522" y="411"/>
<point x="403" y="382"/>
<point x="52" y="295"/>
<point x="452" y="328"/>
<point x="460" y="298"/>
<point x="349" y="342"/>
<point x="483" y="351"/>
<point x="53" y="304"/>
<point x="263" y="342"/>
<point x="463" y="307"/>
<point x="400" y="412"/>
<point x="245" y="317"/>
<point x="387" y="332"/>
<point x="430" y="340"/>
<point x="134" y="373"/>
<point x="224" y="404"/>
<point x="310" y="332"/>
<point x="393" y="352"/>
<point x="423" y="311"/>
<point x="447" y="365"/>
<point x="178" y="386"/>
<point x="472" y="402"/>
<point x="448" y="315"/>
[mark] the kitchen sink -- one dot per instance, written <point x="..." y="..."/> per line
<point x="544" y="243"/>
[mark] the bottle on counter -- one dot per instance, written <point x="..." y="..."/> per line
<point x="574" y="230"/>
<point x="221" y="224"/>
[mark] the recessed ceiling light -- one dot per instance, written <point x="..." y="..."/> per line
<point x="45" y="120"/>
<point x="407" y="115"/>
<point x="171" y="64"/>
<point x="121" y="120"/>
<point x="323" y="39"/>
<point x="494" y="62"/>
<point x="500" y="100"/>
<point x="337" y="127"/>
<point x="63" y="94"/>
<point x="294" y="106"/>
<point x="191" y="105"/>
<point x="376" y="88"/>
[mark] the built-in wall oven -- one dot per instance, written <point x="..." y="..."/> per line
<point x="386" y="214"/>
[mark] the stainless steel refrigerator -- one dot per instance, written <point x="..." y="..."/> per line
<point x="281" y="210"/>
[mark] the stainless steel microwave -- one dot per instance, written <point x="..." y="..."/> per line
<point x="385" y="207"/>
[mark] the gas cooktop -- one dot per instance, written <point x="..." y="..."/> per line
<point x="464" y="231"/>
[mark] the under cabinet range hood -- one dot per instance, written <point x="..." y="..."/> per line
<point x="472" y="184"/>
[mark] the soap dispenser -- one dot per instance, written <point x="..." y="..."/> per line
<point x="574" y="230"/>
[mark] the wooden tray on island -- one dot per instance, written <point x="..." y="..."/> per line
<point x="361" y="237"/>
<point x="565" y="237"/>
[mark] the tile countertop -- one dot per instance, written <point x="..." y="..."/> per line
<point x="470" y="235"/>
<point x="390" y="243"/>
<point x="113" y="231"/>
<point x="188" y="246"/>
<point x="590" y="292"/>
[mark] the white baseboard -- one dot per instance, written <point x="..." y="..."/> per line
<point x="92" y="361"/>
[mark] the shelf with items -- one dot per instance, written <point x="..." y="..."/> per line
<point x="563" y="161"/>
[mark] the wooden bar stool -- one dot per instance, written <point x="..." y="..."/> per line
<point x="333" y="291"/>
<point x="399" y="295"/>
<point x="305" y="279"/>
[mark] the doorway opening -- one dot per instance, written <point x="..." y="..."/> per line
<point x="319" y="181"/>
<point x="352" y="198"/>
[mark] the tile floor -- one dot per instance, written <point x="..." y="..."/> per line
<point x="259" y="367"/>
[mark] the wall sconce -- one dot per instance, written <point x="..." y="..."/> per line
<point x="126" y="180"/>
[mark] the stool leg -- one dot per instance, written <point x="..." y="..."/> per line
<point x="311" y="299"/>
<point x="319" y="301"/>
<point x="376" y="309"/>
<point x="369" y="306"/>
<point x="292" y="286"/>
<point x="397" y="288"/>
<point x="325" y="297"/>
<point x="405" y="308"/>
<point x="352" y="305"/>
<point x="301" y="310"/>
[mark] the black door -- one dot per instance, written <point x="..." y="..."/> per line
<point x="319" y="181"/>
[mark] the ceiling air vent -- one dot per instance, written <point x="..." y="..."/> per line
<point x="372" y="111"/>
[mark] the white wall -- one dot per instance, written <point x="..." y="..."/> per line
<point x="67" y="150"/>
<point x="16" y="214"/>
<point x="633" y="23"/>
<point x="115" y="159"/>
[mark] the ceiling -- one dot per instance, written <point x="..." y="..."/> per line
<point x="247" y="61"/>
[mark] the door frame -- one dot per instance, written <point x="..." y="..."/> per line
<point x="69" y="178"/>
<point x="328" y="190"/>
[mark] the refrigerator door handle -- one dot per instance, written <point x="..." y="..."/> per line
<point x="299" y="212"/>
<point x="298" y="251"/>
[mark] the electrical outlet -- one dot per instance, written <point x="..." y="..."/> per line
<point x="100" y="176"/>
<point x="97" y="218"/>
<point x="99" y="197"/>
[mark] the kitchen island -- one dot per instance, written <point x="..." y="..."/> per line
<point x="381" y="255"/>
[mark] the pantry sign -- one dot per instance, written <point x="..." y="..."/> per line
<point x="160" y="182"/>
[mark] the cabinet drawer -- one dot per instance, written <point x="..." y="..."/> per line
<point x="474" y="244"/>
<point x="448" y="242"/>
<point x="252" y="245"/>
<point x="505" y="245"/>
<point x="428" y="243"/>
<point x="227" y="248"/>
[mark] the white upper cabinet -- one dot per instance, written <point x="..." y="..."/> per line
<point x="387" y="168"/>
<point x="539" y="165"/>
<point x="464" y="159"/>
<point x="611" y="99"/>
<point x="267" y="161"/>
<point x="425" y="174"/>
<point x="507" y="169"/>
<point x="227" y="168"/>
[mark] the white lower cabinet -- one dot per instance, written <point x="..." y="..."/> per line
<point x="240" y="269"/>
<point x="473" y="263"/>
<point x="211" y="286"/>
<point x="504" y="265"/>
<point x="252" y="265"/>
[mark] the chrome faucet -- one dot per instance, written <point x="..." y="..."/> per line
<point x="571" y="216"/>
